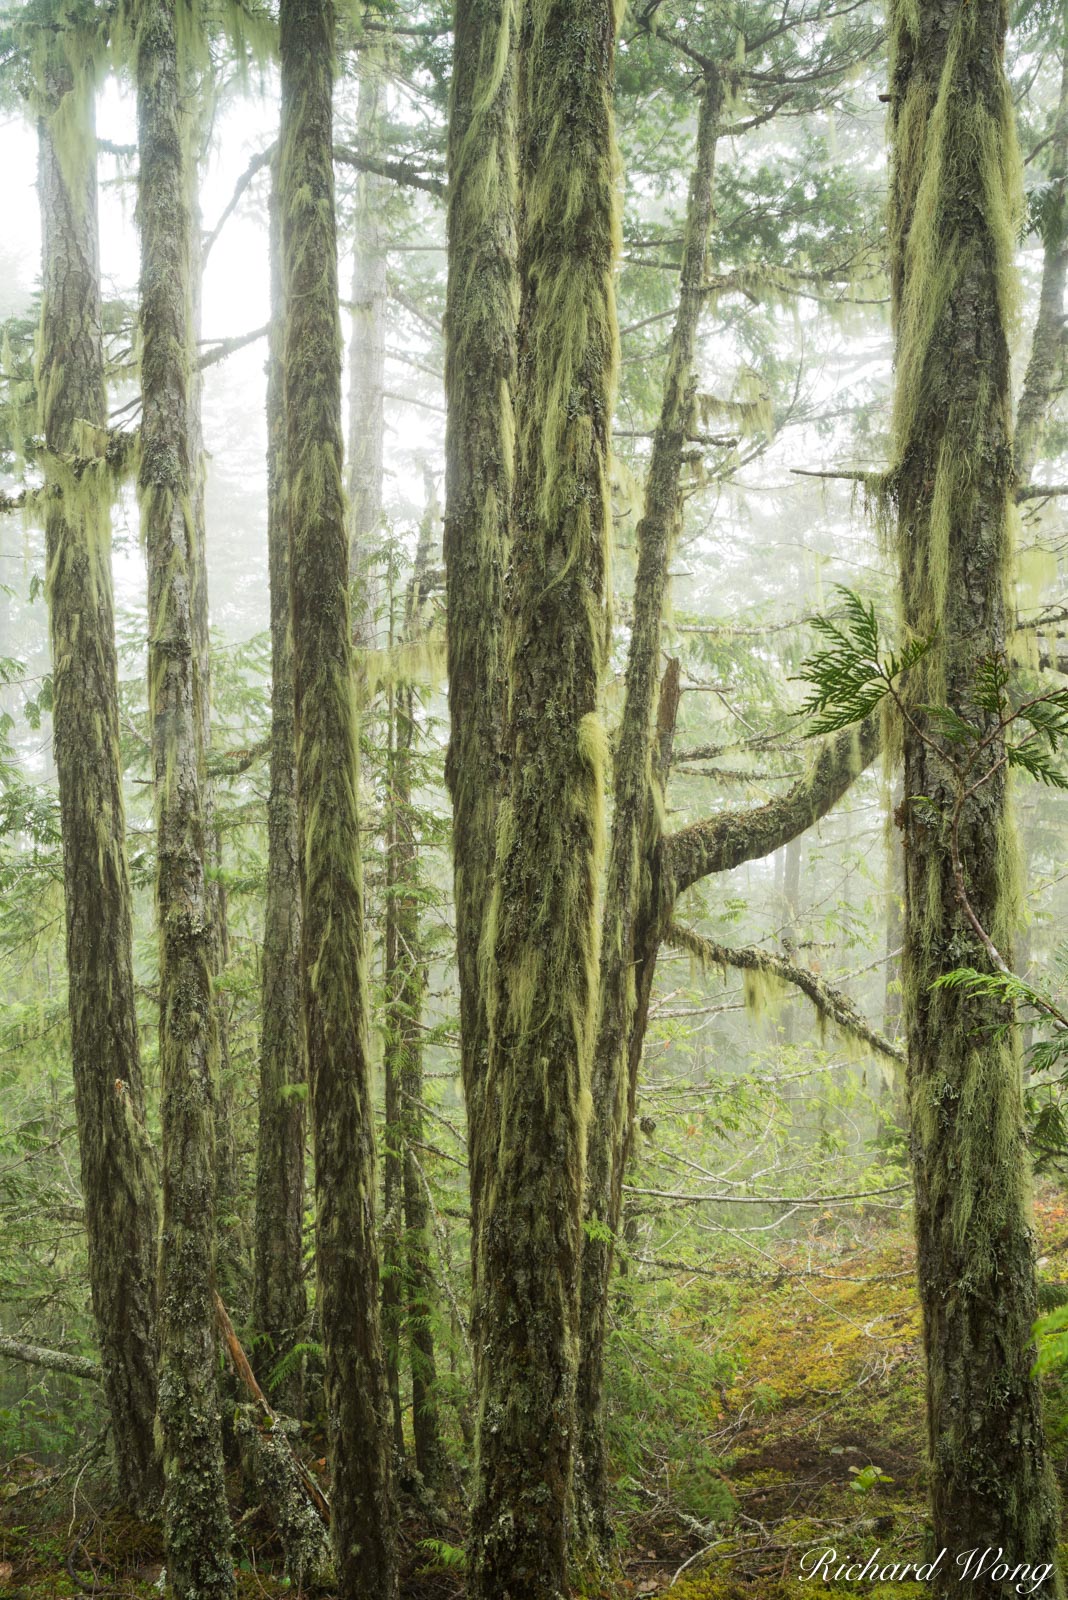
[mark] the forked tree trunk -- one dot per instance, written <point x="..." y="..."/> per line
<point x="118" y="1181"/>
<point x="199" y="1564"/>
<point x="543" y="930"/>
<point x="953" y="231"/>
<point x="333" y="960"/>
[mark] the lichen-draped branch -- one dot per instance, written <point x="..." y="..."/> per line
<point x="542" y="936"/>
<point x="333" y="958"/>
<point x="830" y="1002"/>
<point x="729" y="838"/>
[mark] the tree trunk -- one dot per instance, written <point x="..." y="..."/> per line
<point x="1045" y="376"/>
<point x="334" y="971"/>
<point x="367" y="357"/>
<point x="636" y="824"/>
<point x="197" y="1519"/>
<point x="279" y="1301"/>
<point x="953" y="230"/>
<point x="480" y="333"/>
<point x="396" y="966"/>
<point x="543" y="928"/>
<point x="231" y="1258"/>
<point x="406" y="988"/>
<point x="118" y="1182"/>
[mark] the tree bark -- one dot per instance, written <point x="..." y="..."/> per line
<point x="544" y="918"/>
<point x="636" y="824"/>
<point x="482" y="301"/>
<point x="278" y="1298"/>
<point x="953" y="228"/>
<point x="118" y="1182"/>
<point x="333" y="958"/>
<point x="197" y="1532"/>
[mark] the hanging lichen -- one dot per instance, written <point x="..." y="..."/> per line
<point x="117" y="1178"/>
<point x="480" y="354"/>
<point x="333" y="961"/>
<point x="197" y="1521"/>
<point x="542" y="933"/>
<point x="954" y="210"/>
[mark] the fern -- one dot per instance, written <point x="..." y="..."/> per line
<point x="851" y="676"/>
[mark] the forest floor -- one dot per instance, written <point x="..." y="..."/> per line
<point x="811" y="1440"/>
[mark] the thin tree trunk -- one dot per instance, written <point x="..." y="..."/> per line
<point x="118" y="1182"/>
<point x="199" y="1565"/>
<point x="480" y="353"/>
<point x="543" y="932"/>
<point x="636" y="825"/>
<point x="334" y="971"/>
<point x="406" y="988"/>
<point x="953" y="230"/>
<point x="231" y="1260"/>
<point x="1046" y="369"/>
<point x="367" y="357"/>
<point x="393" y="1179"/>
<point x="279" y="1300"/>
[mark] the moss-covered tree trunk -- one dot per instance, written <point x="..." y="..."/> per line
<point x="279" y="1302"/>
<point x="197" y="1519"/>
<point x="480" y="332"/>
<point x="954" y="191"/>
<point x="636" y="824"/>
<point x="334" y="974"/>
<point x="118" y="1182"/>
<point x="543" y="932"/>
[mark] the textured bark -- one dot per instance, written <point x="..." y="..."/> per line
<point x="543" y="931"/>
<point x="118" y="1182"/>
<point x="367" y="358"/>
<point x="405" y="989"/>
<point x="267" y="1462"/>
<point x="197" y="1522"/>
<point x="953" y="230"/>
<point x="636" y="820"/>
<point x="480" y="332"/>
<point x="1046" y="371"/>
<point x="334" y="976"/>
<point x="36" y="1355"/>
<point x="279" y="1303"/>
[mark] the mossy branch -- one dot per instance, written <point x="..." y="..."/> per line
<point x="829" y="1001"/>
<point x="716" y="844"/>
<point x="36" y="1355"/>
